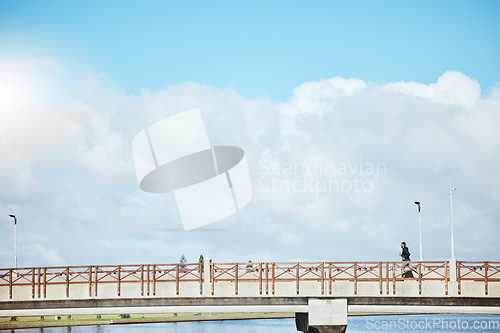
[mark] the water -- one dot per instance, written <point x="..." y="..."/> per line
<point x="387" y="324"/>
<point x="425" y="323"/>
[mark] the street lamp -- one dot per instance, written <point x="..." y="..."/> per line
<point x="451" y="222"/>
<point x="15" y="240"/>
<point x="419" y="228"/>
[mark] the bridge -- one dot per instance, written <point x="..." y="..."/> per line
<point x="321" y="294"/>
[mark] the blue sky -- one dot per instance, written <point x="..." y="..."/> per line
<point x="259" y="47"/>
<point x="412" y="86"/>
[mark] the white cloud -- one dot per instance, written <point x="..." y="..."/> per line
<point x="453" y="88"/>
<point x="67" y="172"/>
<point x="34" y="254"/>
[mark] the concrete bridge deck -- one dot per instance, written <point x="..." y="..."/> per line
<point x="340" y="287"/>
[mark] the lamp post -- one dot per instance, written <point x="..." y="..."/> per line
<point x="419" y="228"/>
<point x="451" y="222"/>
<point x="15" y="240"/>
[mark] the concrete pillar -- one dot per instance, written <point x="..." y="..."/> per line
<point x="324" y="316"/>
<point x="453" y="287"/>
<point x="207" y="285"/>
<point x="453" y="270"/>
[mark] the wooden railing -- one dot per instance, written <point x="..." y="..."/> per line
<point x="266" y="274"/>
<point x="385" y="273"/>
<point x="478" y="272"/>
<point x="147" y="275"/>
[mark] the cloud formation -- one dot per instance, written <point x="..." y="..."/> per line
<point x="335" y="172"/>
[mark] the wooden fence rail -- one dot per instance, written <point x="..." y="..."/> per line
<point x="266" y="274"/>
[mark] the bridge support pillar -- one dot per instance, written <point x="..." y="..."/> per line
<point x="207" y="283"/>
<point x="453" y="288"/>
<point x="324" y="316"/>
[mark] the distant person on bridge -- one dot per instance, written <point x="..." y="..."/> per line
<point x="405" y="256"/>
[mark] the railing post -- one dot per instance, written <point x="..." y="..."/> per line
<point x="394" y="278"/>
<point x="330" y="277"/>
<point x="10" y="283"/>
<point x="260" y="278"/>
<point x="90" y="281"/>
<point x="322" y="278"/>
<point x="355" y="275"/>
<point x="298" y="265"/>
<point x="177" y="279"/>
<point x="67" y="281"/>
<point x="119" y="280"/>
<point x="380" y="278"/>
<point x="459" y="278"/>
<point x="267" y="278"/>
<point x="387" y="278"/>
<point x="45" y="282"/>
<point x="39" y="282"/>
<point x="154" y="280"/>
<point x="420" y="278"/>
<point x="486" y="278"/>
<point x="142" y="279"/>
<point x="96" y="280"/>
<point x="33" y="282"/>
<point x="148" y="280"/>
<point x="273" y="276"/>
<point x="200" y="269"/>
<point x="212" y="277"/>
<point x="446" y="278"/>
<point x="236" y="279"/>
